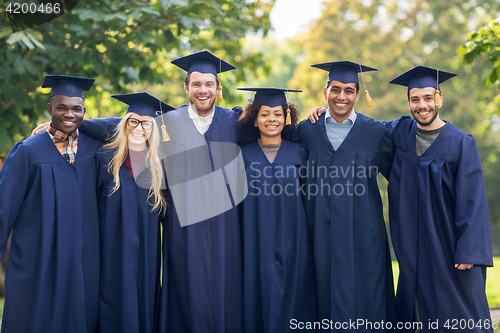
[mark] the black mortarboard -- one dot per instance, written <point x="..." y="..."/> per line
<point x="203" y="62"/>
<point x="71" y="86"/>
<point x="343" y="71"/>
<point x="422" y="77"/>
<point x="270" y="96"/>
<point x="143" y="103"/>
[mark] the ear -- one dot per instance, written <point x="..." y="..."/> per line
<point x="325" y="93"/>
<point x="441" y="100"/>
<point x="255" y="123"/>
<point x="84" y="110"/>
<point x="49" y="109"/>
<point x="186" y="89"/>
<point x="357" y="97"/>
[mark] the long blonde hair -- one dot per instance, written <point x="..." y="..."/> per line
<point x="119" y="145"/>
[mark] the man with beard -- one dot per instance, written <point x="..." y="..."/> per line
<point x="202" y="281"/>
<point x="438" y="213"/>
<point x="48" y="202"/>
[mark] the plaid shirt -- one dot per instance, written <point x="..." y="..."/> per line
<point x="67" y="144"/>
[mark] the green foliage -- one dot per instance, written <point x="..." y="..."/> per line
<point x="484" y="42"/>
<point x="126" y="46"/>
<point x="394" y="36"/>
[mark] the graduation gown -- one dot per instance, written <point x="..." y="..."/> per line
<point x="52" y="277"/>
<point x="344" y="210"/>
<point x="130" y="251"/>
<point x="439" y="217"/>
<point x="278" y="264"/>
<point x="202" y="282"/>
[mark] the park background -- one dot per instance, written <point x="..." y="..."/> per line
<point x="128" y="45"/>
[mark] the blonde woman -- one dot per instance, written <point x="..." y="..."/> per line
<point x="130" y="205"/>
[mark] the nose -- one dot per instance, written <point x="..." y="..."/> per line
<point x="421" y="104"/>
<point x="341" y="95"/>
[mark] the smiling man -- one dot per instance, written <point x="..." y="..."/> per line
<point x="347" y="151"/>
<point x="48" y="202"/>
<point x="438" y="213"/>
<point x="202" y="280"/>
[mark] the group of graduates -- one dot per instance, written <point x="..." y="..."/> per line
<point x="299" y="244"/>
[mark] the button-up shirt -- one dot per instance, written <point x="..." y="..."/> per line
<point x="337" y="132"/>
<point x="67" y="144"/>
<point x="201" y="123"/>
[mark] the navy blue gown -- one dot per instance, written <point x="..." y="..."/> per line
<point x="439" y="217"/>
<point x="130" y="251"/>
<point x="50" y="205"/>
<point x="345" y="215"/>
<point x="278" y="264"/>
<point x="202" y="281"/>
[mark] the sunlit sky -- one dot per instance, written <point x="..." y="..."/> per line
<point x="288" y="17"/>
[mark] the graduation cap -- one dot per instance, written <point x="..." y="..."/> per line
<point x="204" y="62"/>
<point x="145" y="104"/>
<point x="423" y="77"/>
<point x="71" y="86"/>
<point x="346" y="72"/>
<point x="272" y="97"/>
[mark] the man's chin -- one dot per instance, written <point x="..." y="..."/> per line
<point x="202" y="108"/>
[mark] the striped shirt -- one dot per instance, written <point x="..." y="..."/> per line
<point x="67" y="144"/>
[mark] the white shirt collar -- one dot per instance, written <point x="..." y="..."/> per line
<point x="201" y="123"/>
<point x="352" y="117"/>
<point x="194" y="115"/>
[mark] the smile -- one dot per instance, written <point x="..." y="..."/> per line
<point x="137" y="135"/>
<point x="341" y="104"/>
<point x="68" y="122"/>
<point x="202" y="98"/>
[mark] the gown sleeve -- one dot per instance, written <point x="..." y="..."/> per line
<point x="101" y="128"/>
<point x="245" y="135"/>
<point x="471" y="209"/>
<point x="387" y="153"/>
<point x="14" y="178"/>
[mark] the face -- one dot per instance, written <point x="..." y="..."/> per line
<point x="341" y="98"/>
<point x="137" y="136"/>
<point x="202" y="90"/>
<point x="422" y="105"/>
<point x="270" y="121"/>
<point x="66" y="112"/>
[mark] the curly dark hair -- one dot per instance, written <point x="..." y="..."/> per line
<point x="249" y="115"/>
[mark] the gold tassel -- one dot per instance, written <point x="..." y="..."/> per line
<point x="288" y="120"/>
<point x="219" y="95"/>
<point x="437" y="93"/>
<point x="164" y="133"/>
<point x="369" y="101"/>
<point x="437" y="98"/>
